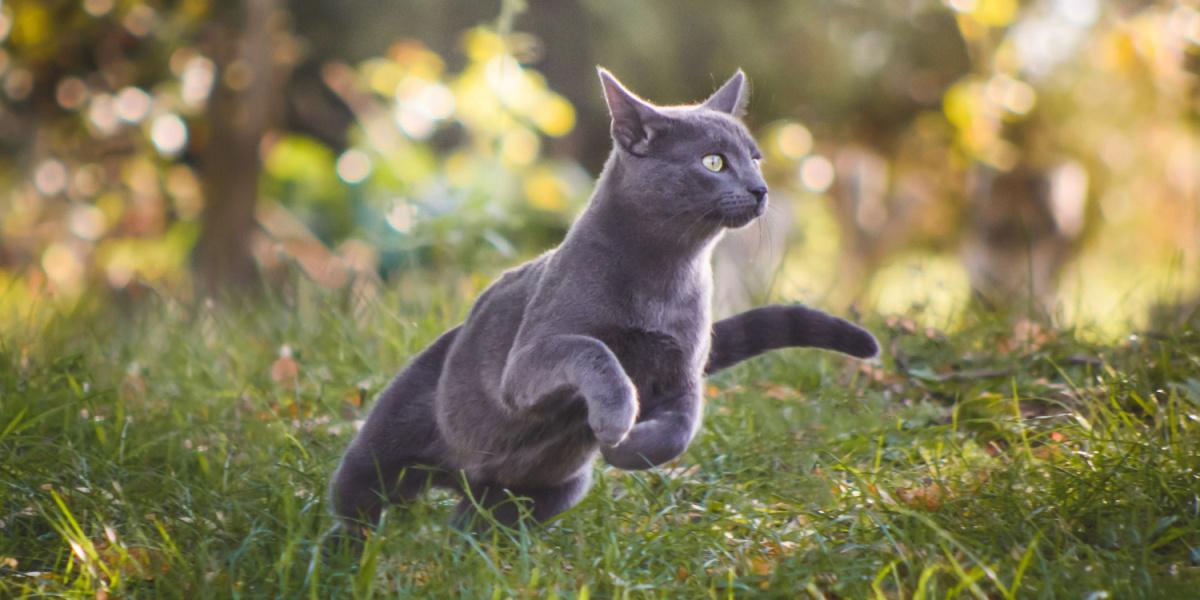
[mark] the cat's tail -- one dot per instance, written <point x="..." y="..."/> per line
<point x="771" y="327"/>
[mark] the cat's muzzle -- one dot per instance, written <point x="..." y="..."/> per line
<point x="738" y="211"/>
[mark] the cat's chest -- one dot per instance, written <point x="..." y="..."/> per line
<point x="677" y="306"/>
<point x="681" y="315"/>
<point x="665" y="337"/>
<point x="654" y="360"/>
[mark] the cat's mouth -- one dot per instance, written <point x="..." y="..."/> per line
<point x="739" y="214"/>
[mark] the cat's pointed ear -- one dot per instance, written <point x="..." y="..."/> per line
<point x="634" y="121"/>
<point x="732" y="97"/>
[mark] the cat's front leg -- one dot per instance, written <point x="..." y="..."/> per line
<point x="541" y="368"/>
<point x="662" y="434"/>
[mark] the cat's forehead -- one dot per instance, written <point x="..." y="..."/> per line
<point x="713" y="127"/>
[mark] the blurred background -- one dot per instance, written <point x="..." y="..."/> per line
<point x="1040" y="157"/>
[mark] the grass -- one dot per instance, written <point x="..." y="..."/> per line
<point x="171" y="451"/>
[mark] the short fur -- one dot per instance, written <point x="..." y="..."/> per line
<point x="600" y="345"/>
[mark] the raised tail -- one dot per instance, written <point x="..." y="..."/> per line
<point x="777" y="326"/>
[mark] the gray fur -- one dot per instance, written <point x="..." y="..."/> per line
<point x="598" y="346"/>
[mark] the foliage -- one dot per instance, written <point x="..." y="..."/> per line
<point x="184" y="451"/>
<point x="413" y="137"/>
<point x="108" y="127"/>
<point x="95" y="118"/>
<point x="439" y="161"/>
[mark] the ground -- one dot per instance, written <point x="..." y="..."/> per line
<point x="184" y="451"/>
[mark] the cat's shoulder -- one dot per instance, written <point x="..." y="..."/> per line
<point x="513" y="285"/>
<point x="525" y="274"/>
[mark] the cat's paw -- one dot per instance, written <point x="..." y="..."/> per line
<point x="612" y="418"/>
<point x="341" y="540"/>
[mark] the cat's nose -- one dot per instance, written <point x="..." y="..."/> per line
<point x="759" y="192"/>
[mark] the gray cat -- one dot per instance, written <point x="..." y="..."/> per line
<point x="601" y="344"/>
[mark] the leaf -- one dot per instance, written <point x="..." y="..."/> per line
<point x="995" y="13"/>
<point x="761" y="566"/>
<point x="928" y="497"/>
<point x="781" y="392"/>
<point x="285" y="371"/>
<point x="925" y="374"/>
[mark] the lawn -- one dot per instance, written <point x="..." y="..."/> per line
<point x="184" y="451"/>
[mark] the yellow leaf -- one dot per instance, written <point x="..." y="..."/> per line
<point x="554" y="115"/>
<point x="761" y="566"/>
<point x="544" y="191"/>
<point x="481" y="44"/>
<point x="31" y="24"/>
<point x="995" y="13"/>
<point x="961" y="103"/>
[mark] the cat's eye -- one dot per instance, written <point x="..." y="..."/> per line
<point x="713" y="162"/>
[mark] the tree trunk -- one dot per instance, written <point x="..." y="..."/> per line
<point x="240" y="111"/>
<point x="1023" y="227"/>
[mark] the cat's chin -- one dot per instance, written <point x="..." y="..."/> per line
<point x="739" y="221"/>
<point x="740" y="214"/>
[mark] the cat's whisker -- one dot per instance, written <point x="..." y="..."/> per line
<point x="763" y="231"/>
<point x="688" y="230"/>
<point x="671" y="219"/>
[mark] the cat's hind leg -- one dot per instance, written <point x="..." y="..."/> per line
<point x="364" y="484"/>
<point x="506" y="506"/>
<point x="399" y="451"/>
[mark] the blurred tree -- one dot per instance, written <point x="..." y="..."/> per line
<point x="1049" y="136"/>
<point x="97" y="99"/>
<point x="254" y="53"/>
<point x="110" y="108"/>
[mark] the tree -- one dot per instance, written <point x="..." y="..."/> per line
<point x="255" y="61"/>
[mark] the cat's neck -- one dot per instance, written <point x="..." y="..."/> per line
<point x="632" y="242"/>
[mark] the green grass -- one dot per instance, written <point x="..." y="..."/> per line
<point x="152" y="453"/>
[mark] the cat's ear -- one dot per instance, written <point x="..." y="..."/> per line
<point x="732" y="97"/>
<point x="634" y="121"/>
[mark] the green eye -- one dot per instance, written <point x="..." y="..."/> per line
<point x="713" y="162"/>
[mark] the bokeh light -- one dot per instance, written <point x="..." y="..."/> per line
<point x="169" y="134"/>
<point x="795" y="141"/>
<point x="50" y="177"/>
<point x="98" y="8"/>
<point x="353" y="166"/>
<point x="816" y="173"/>
<point x="132" y="104"/>
<point x="102" y="114"/>
<point x="71" y="93"/>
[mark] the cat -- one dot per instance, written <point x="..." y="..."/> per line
<point x="600" y="345"/>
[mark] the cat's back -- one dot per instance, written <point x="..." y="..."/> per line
<point x="479" y="353"/>
<point x="510" y="291"/>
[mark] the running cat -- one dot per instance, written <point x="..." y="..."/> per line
<point x="600" y="345"/>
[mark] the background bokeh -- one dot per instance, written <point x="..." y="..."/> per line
<point x="1036" y="156"/>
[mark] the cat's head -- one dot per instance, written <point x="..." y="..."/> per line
<point x="694" y="166"/>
